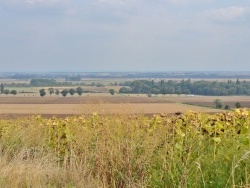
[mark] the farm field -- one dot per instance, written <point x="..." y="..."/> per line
<point x="123" y="140"/>
<point x="208" y="100"/>
<point x="72" y="109"/>
<point x="103" y="104"/>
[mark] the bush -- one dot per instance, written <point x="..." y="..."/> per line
<point x="42" y="92"/>
<point x="112" y="91"/>
<point x="237" y="105"/>
<point x="218" y="103"/>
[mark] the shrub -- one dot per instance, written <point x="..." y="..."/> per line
<point x="237" y="105"/>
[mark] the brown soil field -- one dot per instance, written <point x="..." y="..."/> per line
<point x="103" y="104"/>
<point x="93" y="99"/>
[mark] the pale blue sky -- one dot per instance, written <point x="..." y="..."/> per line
<point x="124" y="35"/>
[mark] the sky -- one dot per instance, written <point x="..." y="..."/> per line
<point x="124" y="35"/>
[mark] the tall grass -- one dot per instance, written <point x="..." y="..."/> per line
<point x="191" y="150"/>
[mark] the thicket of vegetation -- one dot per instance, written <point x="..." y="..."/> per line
<point x="190" y="150"/>
<point x="64" y="92"/>
<point x="187" y="87"/>
<point x="47" y="83"/>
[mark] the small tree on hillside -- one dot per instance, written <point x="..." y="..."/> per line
<point x="51" y="91"/>
<point x="57" y="92"/>
<point x="2" y="88"/>
<point x="79" y="91"/>
<point x="13" y="92"/>
<point x="64" y="92"/>
<point x="227" y="107"/>
<point x="218" y="103"/>
<point x="6" y="92"/>
<point x="112" y="91"/>
<point x="42" y="92"/>
<point x="72" y="92"/>
<point x="237" y="105"/>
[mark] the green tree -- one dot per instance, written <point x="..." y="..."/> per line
<point x="237" y="105"/>
<point x="79" y="91"/>
<point x="218" y="103"/>
<point x="99" y="84"/>
<point x="6" y="91"/>
<point x="155" y="91"/>
<point x="42" y="92"/>
<point x="171" y="90"/>
<point x="13" y="92"/>
<point x="164" y="91"/>
<point x="237" y="81"/>
<point x="2" y="88"/>
<point x="227" y="107"/>
<point x="72" y="92"/>
<point x="51" y="91"/>
<point x="112" y="91"/>
<point x="64" y="92"/>
<point x="57" y="92"/>
<point x="125" y="90"/>
<point x="178" y="90"/>
<point x="42" y="82"/>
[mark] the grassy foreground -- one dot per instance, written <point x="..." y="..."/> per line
<point x="190" y="150"/>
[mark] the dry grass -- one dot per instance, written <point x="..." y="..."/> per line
<point x="126" y="151"/>
<point x="104" y="104"/>
<point x="140" y="108"/>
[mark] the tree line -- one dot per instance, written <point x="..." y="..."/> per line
<point x="43" y="82"/>
<point x="202" y="87"/>
<point x="7" y="91"/>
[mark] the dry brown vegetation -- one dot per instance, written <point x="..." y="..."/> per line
<point x="190" y="150"/>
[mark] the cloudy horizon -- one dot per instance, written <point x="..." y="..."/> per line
<point x="124" y="35"/>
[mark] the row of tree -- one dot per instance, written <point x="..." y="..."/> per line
<point x="219" y="104"/>
<point x="52" y="83"/>
<point x="64" y="92"/>
<point x="7" y="91"/>
<point x="202" y="87"/>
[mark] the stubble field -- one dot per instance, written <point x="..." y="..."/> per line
<point x="209" y="100"/>
<point x="103" y="104"/>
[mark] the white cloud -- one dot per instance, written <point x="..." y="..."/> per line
<point x="228" y="14"/>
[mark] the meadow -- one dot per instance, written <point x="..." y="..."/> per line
<point x="127" y="150"/>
